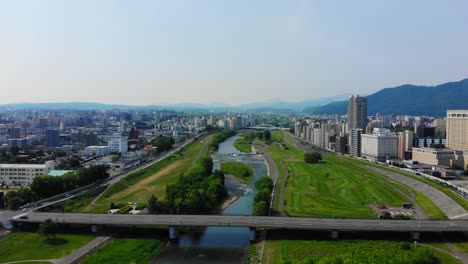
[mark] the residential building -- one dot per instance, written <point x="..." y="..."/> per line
<point x="96" y="151"/>
<point x="357" y="113"/>
<point x="23" y="174"/>
<point x="90" y="139"/>
<point x="118" y="143"/>
<point x="380" y="145"/>
<point x="457" y="130"/>
<point x="355" y="142"/>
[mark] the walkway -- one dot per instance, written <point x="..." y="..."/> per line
<point x="451" y="208"/>
<point x="80" y="253"/>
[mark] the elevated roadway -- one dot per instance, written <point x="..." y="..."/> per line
<point x="367" y="225"/>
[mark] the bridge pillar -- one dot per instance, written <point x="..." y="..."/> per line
<point x="334" y="234"/>
<point x="95" y="228"/>
<point x="253" y="233"/>
<point x="173" y="233"/>
<point x="415" y="235"/>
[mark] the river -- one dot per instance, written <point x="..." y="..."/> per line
<point x="221" y="244"/>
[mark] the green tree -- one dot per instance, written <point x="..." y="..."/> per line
<point x="153" y="205"/>
<point x="207" y="164"/>
<point x="312" y="157"/>
<point x="48" y="228"/>
<point x="260" y="208"/>
<point x="267" y="135"/>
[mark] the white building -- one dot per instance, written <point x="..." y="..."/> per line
<point x="318" y="137"/>
<point x="23" y="174"/>
<point x="118" y="144"/>
<point x="379" y="145"/>
<point x="96" y="150"/>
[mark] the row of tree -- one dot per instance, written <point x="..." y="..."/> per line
<point x="262" y="199"/>
<point x="47" y="186"/>
<point x="163" y="143"/>
<point x="197" y="191"/>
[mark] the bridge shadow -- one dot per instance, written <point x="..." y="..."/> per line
<point x="283" y="234"/>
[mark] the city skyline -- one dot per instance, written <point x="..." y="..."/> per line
<point x="234" y="53"/>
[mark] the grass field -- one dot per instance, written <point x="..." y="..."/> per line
<point x="243" y="145"/>
<point x="126" y="250"/>
<point x="238" y="169"/>
<point x="352" y="251"/>
<point x="462" y="247"/>
<point x="31" y="246"/>
<point x="139" y="186"/>
<point x="335" y="188"/>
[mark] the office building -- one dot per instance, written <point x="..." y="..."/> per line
<point x="23" y="174"/>
<point x="457" y="130"/>
<point x="357" y="113"/>
<point x="52" y="138"/>
<point x="434" y="156"/>
<point x="380" y="145"/>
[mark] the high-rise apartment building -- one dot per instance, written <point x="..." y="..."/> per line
<point x="52" y="138"/>
<point x="457" y="129"/>
<point x="355" y="143"/>
<point x="357" y="113"/>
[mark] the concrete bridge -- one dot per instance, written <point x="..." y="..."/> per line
<point x="320" y="224"/>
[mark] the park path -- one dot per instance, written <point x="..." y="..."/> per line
<point x="80" y="253"/>
<point x="202" y="150"/>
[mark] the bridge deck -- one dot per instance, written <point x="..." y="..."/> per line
<point x="250" y="221"/>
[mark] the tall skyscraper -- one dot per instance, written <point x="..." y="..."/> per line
<point x="457" y="129"/>
<point x="52" y="138"/>
<point x="357" y="113"/>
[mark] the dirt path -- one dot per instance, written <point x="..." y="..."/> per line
<point x="454" y="255"/>
<point x="202" y="150"/>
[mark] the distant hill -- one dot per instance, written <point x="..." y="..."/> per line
<point x="408" y="99"/>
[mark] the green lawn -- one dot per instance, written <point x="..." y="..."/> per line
<point x="243" y="145"/>
<point x="335" y="188"/>
<point x="238" y="169"/>
<point x="126" y="250"/>
<point x="348" y="251"/>
<point x="30" y="246"/>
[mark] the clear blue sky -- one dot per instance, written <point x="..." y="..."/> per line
<point x="143" y="52"/>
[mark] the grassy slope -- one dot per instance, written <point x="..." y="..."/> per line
<point x="81" y="201"/>
<point x="238" y="169"/>
<point x="129" y="189"/>
<point x="243" y="145"/>
<point x="296" y="250"/>
<point x="126" y="250"/>
<point x="29" y="246"/>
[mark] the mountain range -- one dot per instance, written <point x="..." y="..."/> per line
<point x="276" y="105"/>
<point x="408" y="99"/>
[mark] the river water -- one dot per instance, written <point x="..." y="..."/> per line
<point x="221" y="244"/>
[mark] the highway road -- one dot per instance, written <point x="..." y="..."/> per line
<point x="250" y="221"/>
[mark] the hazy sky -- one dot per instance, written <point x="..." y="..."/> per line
<point x="144" y="52"/>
